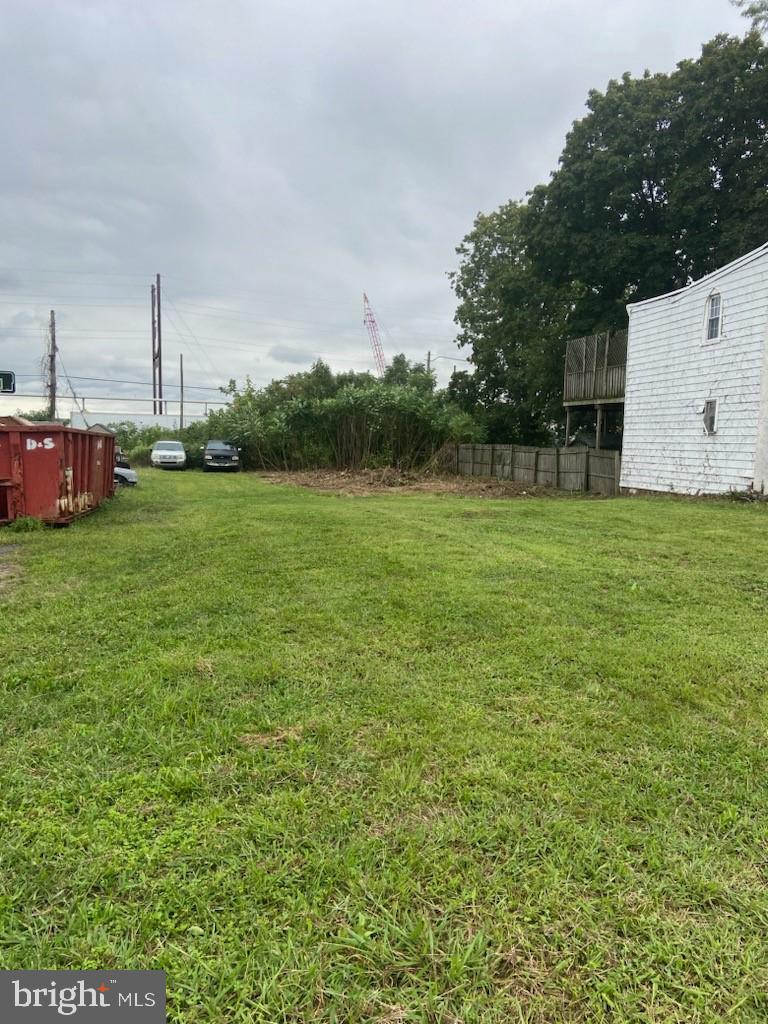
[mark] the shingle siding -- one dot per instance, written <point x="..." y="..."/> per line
<point x="672" y="370"/>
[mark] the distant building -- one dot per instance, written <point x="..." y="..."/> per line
<point x="696" y="396"/>
<point x="77" y="419"/>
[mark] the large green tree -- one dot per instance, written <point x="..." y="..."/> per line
<point x="663" y="181"/>
<point x="514" y="323"/>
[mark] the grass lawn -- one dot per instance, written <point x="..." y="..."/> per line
<point x="401" y="758"/>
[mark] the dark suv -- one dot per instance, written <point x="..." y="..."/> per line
<point x="220" y="455"/>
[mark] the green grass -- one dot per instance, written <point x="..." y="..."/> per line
<point x="396" y="758"/>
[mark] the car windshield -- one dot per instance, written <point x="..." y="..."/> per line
<point x="168" y="446"/>
<point x="219" y="446"/>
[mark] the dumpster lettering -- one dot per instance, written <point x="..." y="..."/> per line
<point x="47" y="442"/>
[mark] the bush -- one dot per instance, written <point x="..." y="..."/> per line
<point x="139" y="456"/>
<point x="346" y="420"/>
<point x="25" y="524"/>
<point x="318" y="418"/>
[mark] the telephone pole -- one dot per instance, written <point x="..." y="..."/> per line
<point x="157" y="350"/>
<point x="52" y="367"/>
<point x="429" y="361"/>
<point x="181" y="391"/>
<point x="154" y="349"/>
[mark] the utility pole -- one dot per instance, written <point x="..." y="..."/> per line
<point x="181" y="390"/>
<point x="52" y="367"/>
<point x="154" y="346"/>
<point x="159" y="339"/>
<point x="157" y="350"/>
<point x="429" y="361"/>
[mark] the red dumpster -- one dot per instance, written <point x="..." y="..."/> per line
<point x="51" y="472"/>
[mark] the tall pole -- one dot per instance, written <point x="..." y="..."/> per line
<point x="429" y="361"/>
<point x="154" y="353"/>
<point x="52" y="367"/>
<point x="181" y="390"/>
<point x="159" y="339"/>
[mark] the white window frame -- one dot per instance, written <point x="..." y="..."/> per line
<point x="716" y="403"/>
<point x="708" y="319"/>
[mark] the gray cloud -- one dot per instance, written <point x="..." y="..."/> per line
<point x="292" y="354"/>
<point x="274" y="160"/>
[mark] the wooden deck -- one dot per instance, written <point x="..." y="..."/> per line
<point x="595" y="369"/>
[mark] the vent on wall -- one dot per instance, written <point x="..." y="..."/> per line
<point x="710" y="415"/>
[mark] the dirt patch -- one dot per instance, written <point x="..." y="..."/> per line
<point x="270" y="739"/>
<point x="204" y="668"/>
<point x="9" y="567"/>
<point x="378" y="481"/>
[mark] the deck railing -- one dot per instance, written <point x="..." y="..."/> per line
<point x="595" y="367"/>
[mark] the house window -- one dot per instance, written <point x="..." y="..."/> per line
<point x="714" y="316"/>
<point x="710" y="415"/>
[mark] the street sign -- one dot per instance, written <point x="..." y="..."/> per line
<point x="7" y="382"/>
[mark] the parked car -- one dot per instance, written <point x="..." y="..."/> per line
<point x="168" y="455"/>
<point x="125" y="477"/>
<point x="221" y="455"/>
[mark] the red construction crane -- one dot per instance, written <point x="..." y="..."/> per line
<point x="373" y="333"/>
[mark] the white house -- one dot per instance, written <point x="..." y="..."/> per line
<point x="696" y="397"/>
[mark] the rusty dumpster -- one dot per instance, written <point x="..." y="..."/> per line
<point x="51" y="472"/>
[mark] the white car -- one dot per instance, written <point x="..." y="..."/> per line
<point x="168" y="455"/>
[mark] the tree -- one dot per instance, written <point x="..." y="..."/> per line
<point x="514" y="323"/>
<point x="406" y="374"/>
<point x="662" y="182"/>
<point x="756" y="10"/>
<point x="37" y="416"/>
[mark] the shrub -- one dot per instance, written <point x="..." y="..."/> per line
<point x="139" y="455"/>
<point x="25" y="524"/>
<point x="318" y="418"/>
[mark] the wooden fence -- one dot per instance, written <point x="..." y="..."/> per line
<point x="570" y="469"/>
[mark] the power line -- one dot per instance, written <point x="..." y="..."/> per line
<point x="191" y="332"/>
<point x="43" y="301"/>
<point x="72" y="389"/>
<point x="67" y="270"/>
<point x="119" y="380"/>
<point x="125" y="398"/>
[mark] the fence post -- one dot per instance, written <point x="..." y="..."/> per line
<point x="457" y="460"/>
<point x="616" y="472"/>
<point x="557" y="466"/>
<point x="472" y="462"/>
<point x="585" y="474"/>
<point x="493" y="457"/>
<point x="536" y="467"/>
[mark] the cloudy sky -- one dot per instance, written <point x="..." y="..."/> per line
<point x="273" y="160"/>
